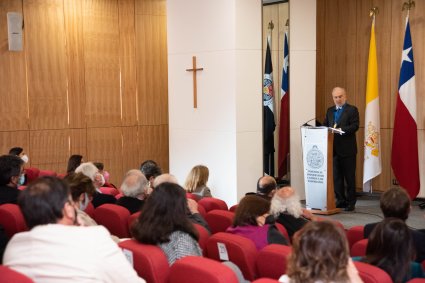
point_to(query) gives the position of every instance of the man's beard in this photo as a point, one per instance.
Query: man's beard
(291, 205)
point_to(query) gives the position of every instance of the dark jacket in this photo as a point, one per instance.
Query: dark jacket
(345, 144)
(8, 194)
(99, 199)
(132, 204)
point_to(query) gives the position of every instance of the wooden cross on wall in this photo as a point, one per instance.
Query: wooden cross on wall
(194, 70)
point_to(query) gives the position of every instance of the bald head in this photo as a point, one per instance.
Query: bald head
(339, 96)
(164, 178)
(266, 186)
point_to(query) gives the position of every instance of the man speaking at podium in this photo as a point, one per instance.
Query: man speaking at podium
(345, 117)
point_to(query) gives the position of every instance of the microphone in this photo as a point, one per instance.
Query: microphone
(306, 124)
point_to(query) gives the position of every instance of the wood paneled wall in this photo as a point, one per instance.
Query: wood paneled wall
(343, 34)
(92, 80)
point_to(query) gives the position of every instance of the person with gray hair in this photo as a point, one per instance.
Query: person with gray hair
(135, 190)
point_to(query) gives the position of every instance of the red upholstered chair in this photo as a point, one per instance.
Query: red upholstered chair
(192, 196)
(359, 248)
(119, 195)
(109, 191)
(265, 280)
(9, 275)
(355, 234)
(114, 218)
(219, 220)
(31, 174)
(61, 175)
(203, 237)
(233, 208)
(47, 173)
(372, 274)
(202, 210)
(272, 260)
(283, 230)
(11, 219)
(90, 210)
(131, 219)
(197, 269)
(149, 261)
(241, 251)
(416, 280)
(213, 203)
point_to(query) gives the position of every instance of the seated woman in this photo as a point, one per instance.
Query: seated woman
(390, 248)
(73, 162)
(164, 222)
(320, 254)
(196, 182)
(250, 222)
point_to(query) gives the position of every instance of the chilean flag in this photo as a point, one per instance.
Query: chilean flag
(284, 113)
(404, 156)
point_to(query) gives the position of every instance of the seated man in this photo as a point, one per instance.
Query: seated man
(11, 176)
(151, 170)
(287, 210)
(55, 249)
(266, 187)
(135, 191)
(396, 203)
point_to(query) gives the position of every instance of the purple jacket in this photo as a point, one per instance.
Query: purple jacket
(257, 234)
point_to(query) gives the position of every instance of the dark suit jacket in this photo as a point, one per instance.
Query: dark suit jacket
(418, 240)
(132, 204)
(99, 199)
(344, 145)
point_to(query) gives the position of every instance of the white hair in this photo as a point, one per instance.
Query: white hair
(291, 205)
(134, 184)
(88, 169)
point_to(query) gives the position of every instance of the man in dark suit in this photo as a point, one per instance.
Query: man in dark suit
(11, 177)
(345, 117)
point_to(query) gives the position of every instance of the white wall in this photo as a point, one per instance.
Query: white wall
(224, 132)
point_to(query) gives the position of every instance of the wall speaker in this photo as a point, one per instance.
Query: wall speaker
(14, 29)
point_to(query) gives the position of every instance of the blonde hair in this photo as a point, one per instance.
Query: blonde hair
(197, 177)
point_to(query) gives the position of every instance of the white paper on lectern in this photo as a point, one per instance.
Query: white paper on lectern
(315, 152)
(334, 130)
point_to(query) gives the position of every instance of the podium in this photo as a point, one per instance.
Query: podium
(317, 145)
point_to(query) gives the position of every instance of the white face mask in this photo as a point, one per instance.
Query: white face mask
(85, 203)
(25, 158)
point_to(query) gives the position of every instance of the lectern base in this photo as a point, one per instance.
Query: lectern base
(326, 212)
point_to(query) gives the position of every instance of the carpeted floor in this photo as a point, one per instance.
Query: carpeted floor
(367, 211)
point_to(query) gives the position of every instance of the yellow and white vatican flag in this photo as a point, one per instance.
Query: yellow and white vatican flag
(372, 143)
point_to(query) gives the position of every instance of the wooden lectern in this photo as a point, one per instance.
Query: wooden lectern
(317, 143)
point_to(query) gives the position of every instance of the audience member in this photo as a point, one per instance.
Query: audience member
(192, 212)
(11, 176)
(390, 247)
(163, 222)
(89, 170)
(55, 250)
(19, 151)
(266, 187)
(82, 191)
(104, 173)
(135, 191)
(287, 210)
(151, 170)
(320, 254)
(395, 203)
(250, 222)
(73, 162)
(196, 182)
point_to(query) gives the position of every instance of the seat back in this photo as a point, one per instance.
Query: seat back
(202, 211)
(416, 280)
(359, 248)
(200, 269)
(11, 219)
(233, 208)
(355, 234)
(192, 196)
(47, 173)
(31, 173)
(212, 203)
(265, 280)
(219, 220)
(114, 218)
(133, 218)
(372, 274)
(109, 191)
(240, 250)
(9, 275)
(203, 237)
(272, 260)
(149, 261)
